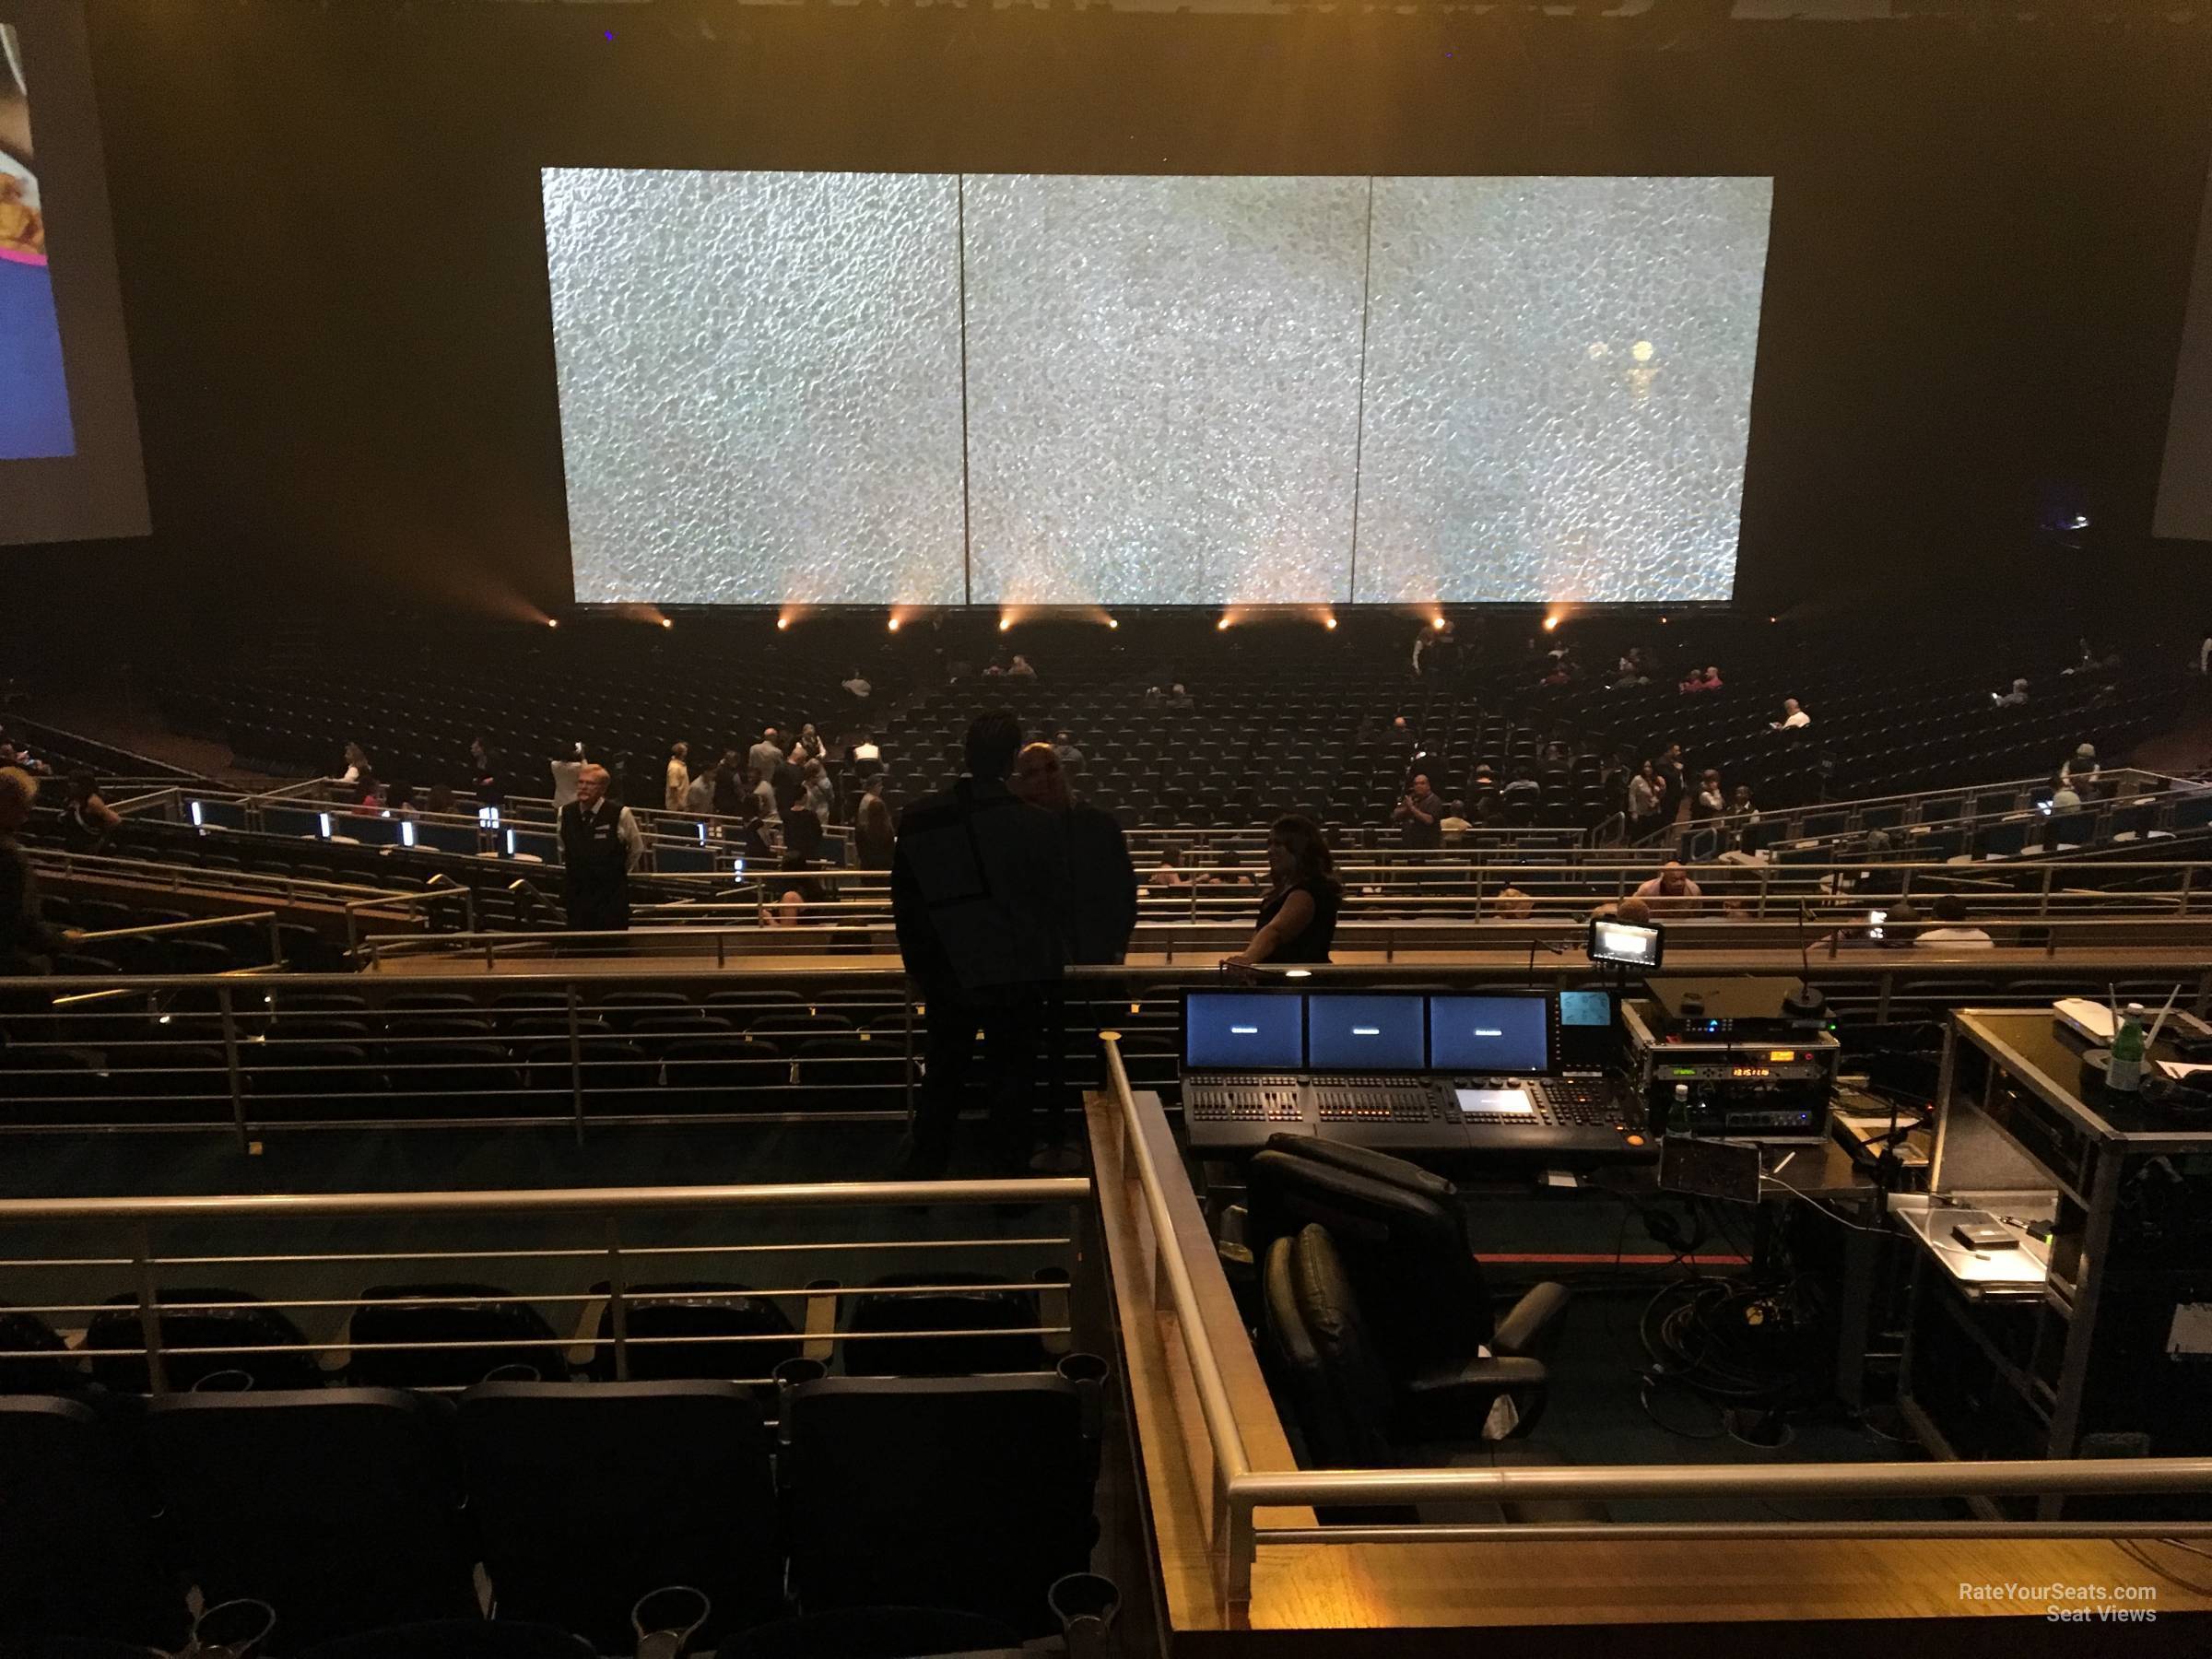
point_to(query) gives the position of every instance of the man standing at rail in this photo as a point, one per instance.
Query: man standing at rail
(978, 877)
(600, 845)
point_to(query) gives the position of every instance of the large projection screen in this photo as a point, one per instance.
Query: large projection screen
(1042, 390)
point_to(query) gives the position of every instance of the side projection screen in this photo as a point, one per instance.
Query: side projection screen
(929, 389)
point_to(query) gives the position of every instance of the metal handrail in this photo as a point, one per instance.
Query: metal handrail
(1242, 1491)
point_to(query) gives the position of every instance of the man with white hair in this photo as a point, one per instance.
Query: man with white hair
(599, 846)
(25, 940)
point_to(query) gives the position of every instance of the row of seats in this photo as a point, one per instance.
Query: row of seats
(448, 1335)
(350, 1509)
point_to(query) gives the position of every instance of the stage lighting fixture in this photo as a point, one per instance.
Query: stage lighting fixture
(1112, 623)
(1223, 626)
(1437, 622)
(892, 625)
(552, 621)
(667, 622)
(783, 622)
(1004, 623)
(1550, 623)
(1329, 623)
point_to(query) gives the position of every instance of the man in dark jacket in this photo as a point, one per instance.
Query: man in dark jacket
(600, 844)
(977, 879)
(25, 939)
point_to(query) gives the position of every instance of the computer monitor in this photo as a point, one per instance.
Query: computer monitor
(1587, 1039)
(1366, 1033)
(1501, 1031)
(1244, 1030)
(1626, 943)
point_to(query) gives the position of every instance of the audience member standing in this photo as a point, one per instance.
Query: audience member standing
(875, 830)
(599, 846)
(978, 881)
(1711, 802)
(807, 746)
(729, 785)
(1298, 918)
(484, 774)
(1643, 800)
(1671, 783)
(1420, 811)
(699, 798)
(1101, 912)
(25, 939)
(677, 784)
(765, 756)
(819, 798)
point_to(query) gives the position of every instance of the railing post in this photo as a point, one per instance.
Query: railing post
(721, 943)
(617, 1309)
(2043, 906)
(908, 987)
(150, 1319)
(1237, 1549)
(2188, 886)
(229, 1016)
(1766, 877)
(576, 1062)
(275, 943)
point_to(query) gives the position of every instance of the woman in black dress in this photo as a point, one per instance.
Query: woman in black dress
(1298, 918)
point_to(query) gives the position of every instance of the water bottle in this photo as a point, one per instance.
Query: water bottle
(2124, 1075)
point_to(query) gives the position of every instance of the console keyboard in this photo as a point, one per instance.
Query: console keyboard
(1374, 1101)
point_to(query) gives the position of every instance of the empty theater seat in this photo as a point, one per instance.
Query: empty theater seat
(340, 1507)
(753, 1332)
(200, 1319)
(500, 1331)
(77, 1553)
(590, 1495)
(972, 1494)
(975, 1324)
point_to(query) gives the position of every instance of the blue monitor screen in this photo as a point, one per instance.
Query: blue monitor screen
(1244, 1030)
(1491, 1033)
(1365, 1033)
(1585, 1008)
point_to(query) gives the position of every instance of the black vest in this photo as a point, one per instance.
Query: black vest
(594, 856)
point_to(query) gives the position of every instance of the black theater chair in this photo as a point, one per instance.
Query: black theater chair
(986, 1328)
(589, 1495)
(876, 1633)
(78, 1551)
(456, 1639)
(1402, 1240)
(422, 1318)
(193, 1319)
(340, 1507)
(972, 1494)
(753, 1333)
(28, 1334)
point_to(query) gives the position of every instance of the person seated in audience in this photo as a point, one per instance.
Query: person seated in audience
(1793, 718)
(1513, 905)
(1636, 911)
(1952, 932)
(873, 828)
(399, 801)
(866, 751)
(14, 754)
(2015, 698)
(1179, 700)
(1564, 671)
(1229, 875)
(1064, 748)
(87, 820)
(1021, 668)
(785, 895)
(357, 766)
(484, 774)
(1420, 813)
(857, 684)
(439, 801)
(2081, 768)
(1671, 893)
(1167, 876)
(1708, 680)
(1155, 697)
(1710, 801)
(677, 784)
(1298, 917)
(1521, 790)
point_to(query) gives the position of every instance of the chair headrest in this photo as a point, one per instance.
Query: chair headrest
(1363, 1160)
